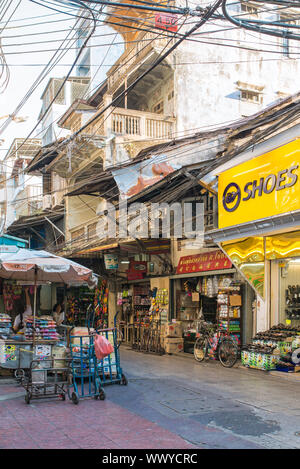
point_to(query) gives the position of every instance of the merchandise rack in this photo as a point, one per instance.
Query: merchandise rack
(231, 321)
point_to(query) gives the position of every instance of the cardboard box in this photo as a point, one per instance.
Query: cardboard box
(173, 345)
(235, 300)
(80, 332)
(173, 329)
(195, 296)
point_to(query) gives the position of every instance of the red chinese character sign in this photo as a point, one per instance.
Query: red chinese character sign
(214, 260)
(166, 21)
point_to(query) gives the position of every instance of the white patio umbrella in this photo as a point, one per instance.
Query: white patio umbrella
(29, 265)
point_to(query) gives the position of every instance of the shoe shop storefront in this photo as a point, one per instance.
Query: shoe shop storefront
(259, 230)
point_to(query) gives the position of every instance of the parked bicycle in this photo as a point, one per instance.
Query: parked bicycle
(149, 337)
(225, 347)
(154, 338)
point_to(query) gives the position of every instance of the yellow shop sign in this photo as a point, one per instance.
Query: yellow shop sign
(262, 187)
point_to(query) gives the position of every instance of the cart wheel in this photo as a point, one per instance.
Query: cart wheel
(75, 398)
(28, 396)
(102, 395)
(63, 396)
(124, 380)
(19, 374)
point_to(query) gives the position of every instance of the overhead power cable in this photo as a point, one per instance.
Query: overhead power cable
(162, 57)
(134, 6)
(280, 28)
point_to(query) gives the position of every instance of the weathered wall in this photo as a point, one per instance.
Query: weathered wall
(80, 211)
(206, 75)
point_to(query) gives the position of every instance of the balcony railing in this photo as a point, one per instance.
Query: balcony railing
(141, 124)
(29, 201)
(134, 123)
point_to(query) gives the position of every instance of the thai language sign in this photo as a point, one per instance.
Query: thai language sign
(214, 260)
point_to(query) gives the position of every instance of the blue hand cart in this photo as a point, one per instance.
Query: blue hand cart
(85, 381)
(109, 368)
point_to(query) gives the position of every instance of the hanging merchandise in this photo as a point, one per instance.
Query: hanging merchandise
(204, 286)
(79, 300)
(210, 288)
(73, 310)
(11, 293)
(119, 299)
(199, 286)
(101, 304)
(215, 285)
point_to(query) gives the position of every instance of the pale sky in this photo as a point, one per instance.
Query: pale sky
(20, 60)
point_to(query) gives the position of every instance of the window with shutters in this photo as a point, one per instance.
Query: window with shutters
(91, 230)
(249, 8)
(288, 20)
(158, 108)
(46, 183)
(78, 236)
(251, 96)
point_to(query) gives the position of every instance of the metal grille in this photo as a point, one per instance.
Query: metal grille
(60, 99)
(77, 91)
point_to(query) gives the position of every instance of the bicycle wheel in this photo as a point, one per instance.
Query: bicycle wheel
(119, 337)
(200, 348)
(228, 352)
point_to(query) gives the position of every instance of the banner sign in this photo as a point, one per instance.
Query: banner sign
(214, 260)
(166, 21)
(111, 261)
(262, 187)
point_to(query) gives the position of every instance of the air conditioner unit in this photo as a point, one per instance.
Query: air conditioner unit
(46, 201)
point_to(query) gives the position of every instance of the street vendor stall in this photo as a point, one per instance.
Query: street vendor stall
(39, 337)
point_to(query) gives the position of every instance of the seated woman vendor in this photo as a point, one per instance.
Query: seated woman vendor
(23, 313)
(58, 314)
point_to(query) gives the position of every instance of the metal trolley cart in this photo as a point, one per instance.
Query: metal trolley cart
(48, 378)
(17, 356)
(86, 381)
(109, 368)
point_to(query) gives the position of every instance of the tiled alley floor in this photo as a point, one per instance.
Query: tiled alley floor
(170, 402)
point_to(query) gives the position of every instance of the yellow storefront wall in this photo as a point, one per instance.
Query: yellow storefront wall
(250, 254)
(249, 257)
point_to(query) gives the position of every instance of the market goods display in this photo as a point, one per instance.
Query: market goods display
(45, 328)
(229, 303)
(292, 301)
(272, 349)
(79, 299)
(5, 325)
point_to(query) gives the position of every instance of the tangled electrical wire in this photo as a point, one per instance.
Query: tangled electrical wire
(249, 19)
(5, 16)
(252, 16)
